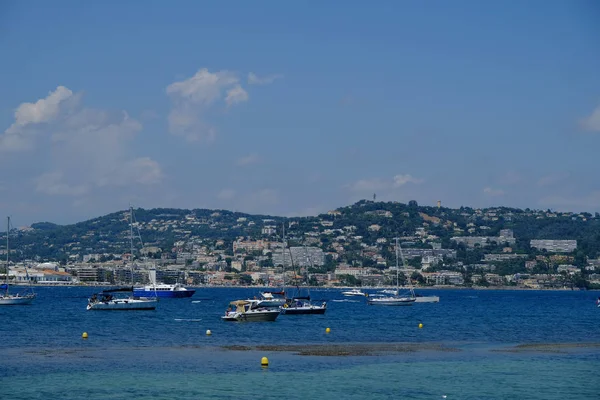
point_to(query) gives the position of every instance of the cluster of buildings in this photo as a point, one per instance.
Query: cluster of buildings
(330, 254)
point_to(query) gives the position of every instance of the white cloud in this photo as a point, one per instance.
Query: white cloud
(236, 95)
(592, 123)
(400, 180)
(248, 160)
(226, 194)
(253, 79)
(83, 150)
(204, 87)
(42, 110)
(143, 171)
(194, 97)
(493, 192)
(52, 183)
(367, 185)
(18, 137)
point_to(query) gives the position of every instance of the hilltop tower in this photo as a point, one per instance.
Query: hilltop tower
(439, 203)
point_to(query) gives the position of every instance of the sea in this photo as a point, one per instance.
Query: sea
(473, 344)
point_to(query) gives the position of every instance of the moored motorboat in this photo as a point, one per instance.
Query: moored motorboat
(156, 289)
(354, 292)
(249, 311)
(176, 290)
(381, 300)
(271, 299)
(109, 300)
(303, 305)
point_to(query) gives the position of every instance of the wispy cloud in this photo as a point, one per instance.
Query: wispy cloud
(401, 180)
(193, 97)
(226, 194)
(493, 192)
(365, 185)
(368, 185)
(592, 122)
(552, 179)
(510, 178)
(253, 79)
(236, 95)
(248, 160)
(88, 148)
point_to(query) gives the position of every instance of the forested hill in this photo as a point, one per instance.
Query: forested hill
(366, 220)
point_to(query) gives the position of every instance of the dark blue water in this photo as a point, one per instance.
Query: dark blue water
(58, 317)
(166, 354)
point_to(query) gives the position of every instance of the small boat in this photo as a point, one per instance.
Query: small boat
(419, 298)
(249, 311)
(394, 299)
(298, 304)
(106, 300)
(6, 298)
(303, 305)
(110, 300)
(18, 299)
(354, 292)
(381, 300)
(271, 299)
(155, 289)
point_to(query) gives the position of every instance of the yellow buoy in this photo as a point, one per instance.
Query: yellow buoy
(208, 332)
(420, 326)
(327, 330)
(264, 362)
(84, 335)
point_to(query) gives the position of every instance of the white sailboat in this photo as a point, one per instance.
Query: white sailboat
(6, 298)
(395, 299)
(298, 304)
(106, 300)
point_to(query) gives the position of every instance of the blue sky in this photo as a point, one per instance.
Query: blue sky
(296, 108)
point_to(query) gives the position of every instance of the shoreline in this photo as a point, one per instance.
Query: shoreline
(327, 288)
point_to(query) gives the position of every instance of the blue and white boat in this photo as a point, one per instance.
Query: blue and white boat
(155, 289)
(163, 290)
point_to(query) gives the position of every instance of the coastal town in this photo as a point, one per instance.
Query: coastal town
(323, 252)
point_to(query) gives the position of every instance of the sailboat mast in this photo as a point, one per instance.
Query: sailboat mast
(397, 278)
(131, 239)
(7, 252)
(283, 253)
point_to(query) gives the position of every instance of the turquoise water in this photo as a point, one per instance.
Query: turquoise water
(166, 354)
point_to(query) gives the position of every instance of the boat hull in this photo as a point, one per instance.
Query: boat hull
(164, 293)
(427, 299)
(353, 293)
(259, 316)
(304, 310)
(16, 300)
(123, 305)
(404, 301)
